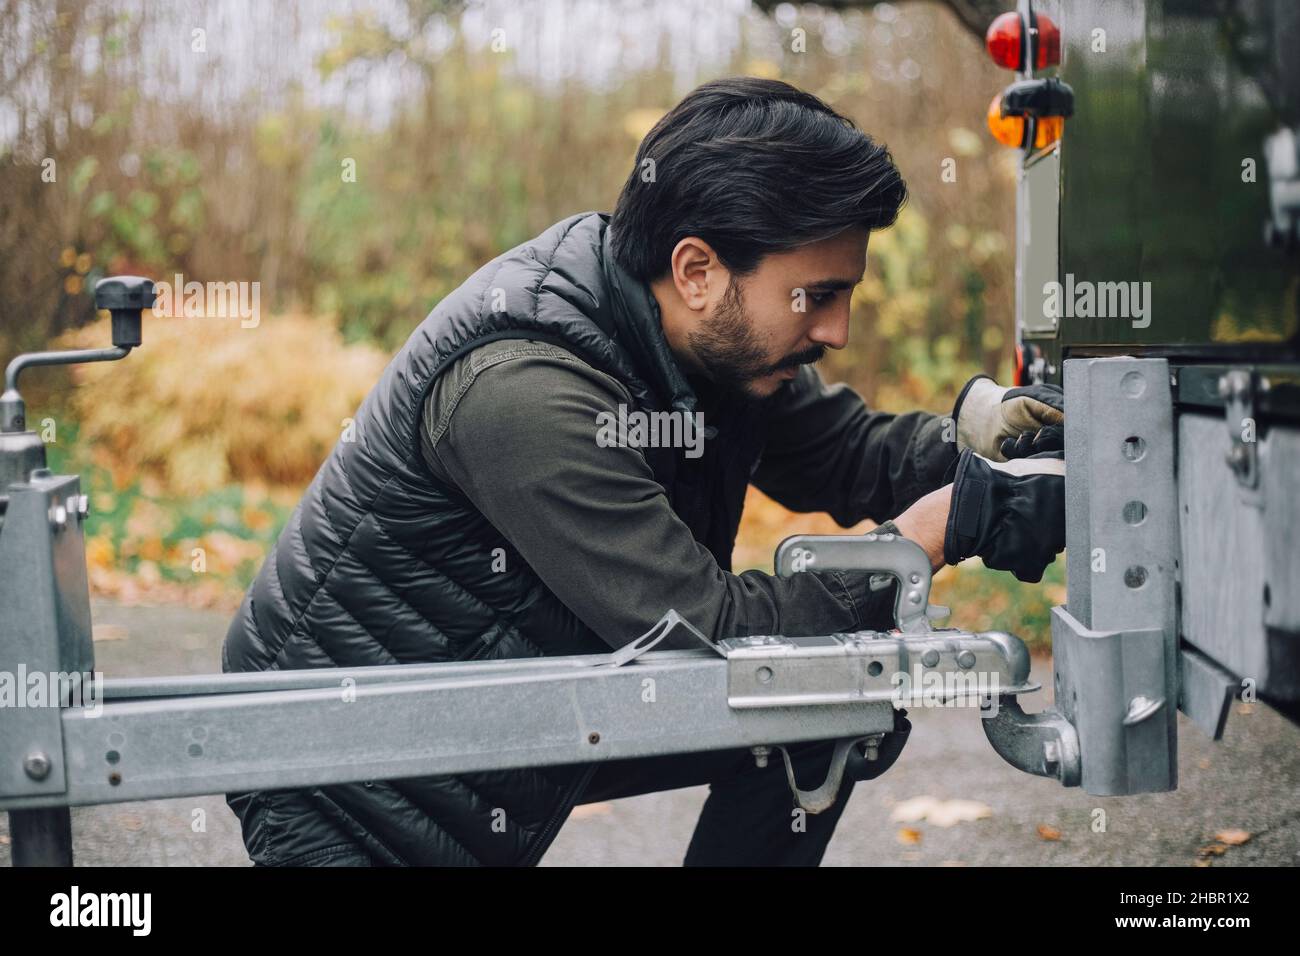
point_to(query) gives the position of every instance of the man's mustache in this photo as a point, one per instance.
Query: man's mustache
(806, 357)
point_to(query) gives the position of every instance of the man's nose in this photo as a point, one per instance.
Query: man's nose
(832, 331)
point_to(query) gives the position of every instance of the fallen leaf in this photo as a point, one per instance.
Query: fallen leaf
(1213, 849)
(109, 632)
(1046, 832)
(942, 813)
(130, 821)
(909, 836)
(1204, 763)
(952, 863)
(912, 810)
(1246, 709)
(591, 810)
(1233, 837)
(947, 813)
(4, 841)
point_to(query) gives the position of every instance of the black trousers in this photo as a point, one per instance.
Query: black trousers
(750, 818)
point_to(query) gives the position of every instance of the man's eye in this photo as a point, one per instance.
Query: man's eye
(821, 298)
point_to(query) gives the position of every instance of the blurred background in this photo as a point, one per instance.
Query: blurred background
(359, 160)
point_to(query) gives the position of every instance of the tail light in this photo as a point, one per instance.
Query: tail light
(1049, 44)
(1048, 130)
(1030, 113)
(1009, 129)
(1005, 41)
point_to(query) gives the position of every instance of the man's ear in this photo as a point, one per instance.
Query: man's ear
(697, 273)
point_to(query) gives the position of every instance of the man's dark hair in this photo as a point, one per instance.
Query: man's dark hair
(752, 167)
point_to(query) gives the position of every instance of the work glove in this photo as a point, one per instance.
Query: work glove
(858, 767)
(1011, 514)
(1028, 444)
(994, 421)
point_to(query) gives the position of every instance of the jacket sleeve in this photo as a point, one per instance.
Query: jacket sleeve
(827, 452)
(520, 442)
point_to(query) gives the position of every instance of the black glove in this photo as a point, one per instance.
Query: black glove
(989, 415)
(1010, 514)
(1028, 444)
(858, 767)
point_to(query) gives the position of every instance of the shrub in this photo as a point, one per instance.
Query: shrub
(204, 402)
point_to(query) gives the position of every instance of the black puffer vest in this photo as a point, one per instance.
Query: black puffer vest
(382, 564)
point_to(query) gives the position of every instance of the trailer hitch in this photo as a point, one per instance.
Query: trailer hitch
(875, 670)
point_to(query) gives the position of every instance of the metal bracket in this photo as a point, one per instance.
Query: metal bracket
(46, 633)
(647, 641)
(1123, 721)
(1237, 387)
(823, 798)
(1206, 691)
(1115, 650)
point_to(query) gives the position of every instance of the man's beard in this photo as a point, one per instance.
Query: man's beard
(732, 354)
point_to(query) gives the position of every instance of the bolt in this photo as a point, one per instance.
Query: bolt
(37, 765)
(1234, 384)
(966, 660)
(913, 597)
(915, 578)
(930, 658)
(593, 738)
(1238, 459)
(58, 517)
(83, 506)
(761, 754)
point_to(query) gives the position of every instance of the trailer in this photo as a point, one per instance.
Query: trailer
(1157, 277)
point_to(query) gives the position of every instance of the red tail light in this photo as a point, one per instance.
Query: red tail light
(1005, 41)
(1049, 44)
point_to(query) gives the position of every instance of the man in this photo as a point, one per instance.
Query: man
(482, 511)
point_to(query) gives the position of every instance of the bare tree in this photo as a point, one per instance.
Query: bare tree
(974, 15)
